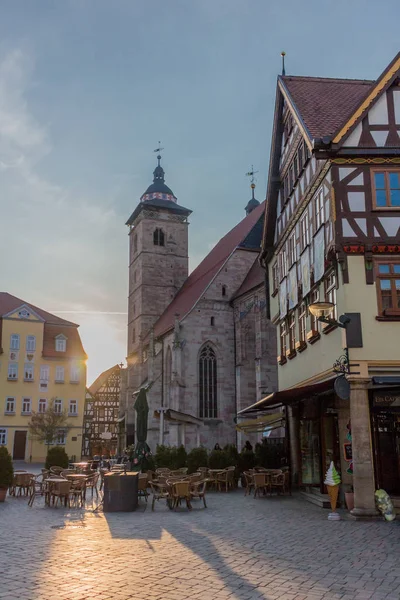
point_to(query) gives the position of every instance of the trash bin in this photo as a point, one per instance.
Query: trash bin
(120, 492)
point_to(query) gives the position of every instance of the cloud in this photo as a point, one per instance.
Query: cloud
(63, 247)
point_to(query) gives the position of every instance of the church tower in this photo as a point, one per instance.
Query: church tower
(158, 263)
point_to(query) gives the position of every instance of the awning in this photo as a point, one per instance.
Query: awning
(178, 417)
(284, 397)
(386, 382)
(267, 421)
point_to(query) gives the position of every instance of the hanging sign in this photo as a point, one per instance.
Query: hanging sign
(348, 451)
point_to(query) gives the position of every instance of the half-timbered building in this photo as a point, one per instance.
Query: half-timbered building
(332, 233)
(100, 421)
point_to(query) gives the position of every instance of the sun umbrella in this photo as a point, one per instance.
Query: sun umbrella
(142, 450)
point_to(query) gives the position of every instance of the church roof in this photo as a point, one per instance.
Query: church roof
(254, 278)
(199, 280)
(325, 104)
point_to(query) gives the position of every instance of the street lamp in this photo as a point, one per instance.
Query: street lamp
(322, 310)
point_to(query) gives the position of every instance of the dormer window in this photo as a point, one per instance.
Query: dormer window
(61, 343)
(158, 237)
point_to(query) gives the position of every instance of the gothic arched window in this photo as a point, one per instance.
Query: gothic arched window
(158, 237)
(208, 383)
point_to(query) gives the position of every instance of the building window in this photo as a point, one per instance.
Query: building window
(388, 287)
(283, 267)
(319, 209)
(14, 341)
(44, 373)
(26, 406)
(30, 343)
(292, 249)
(28, 372)
(13, 371)
(10, 406)
(61, 344)
(386, 189)
(58, 405)
(283, 336)
(73, 408)
(314, 297)
(42, 405)
(3, 436)
(75, 374)
(158, 237)
(304, 232)
(292, 331)
(212, 321)
(224, 290)
(302, 322)
(275, 277)
(330, 291)
(60, 374)
(208, 383)
(61, 437)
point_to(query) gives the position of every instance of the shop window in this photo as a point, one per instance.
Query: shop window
(386, 188)
(388, 287)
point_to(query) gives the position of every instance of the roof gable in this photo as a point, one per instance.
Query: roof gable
(101, 379)
(375, 93)
(23, 312)
(200, 279)
(9, 304)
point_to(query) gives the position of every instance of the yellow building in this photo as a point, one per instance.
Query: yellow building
(41, 359)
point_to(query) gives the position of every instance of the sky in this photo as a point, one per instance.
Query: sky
(89, 87)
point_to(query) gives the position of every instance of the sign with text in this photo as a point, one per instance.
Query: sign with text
(386, 398)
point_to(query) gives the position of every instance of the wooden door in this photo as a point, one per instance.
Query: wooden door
(19, 445)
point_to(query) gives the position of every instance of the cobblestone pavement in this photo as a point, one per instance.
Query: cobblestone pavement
(237, 548)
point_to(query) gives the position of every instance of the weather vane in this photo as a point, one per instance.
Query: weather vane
(159, 149)
(251, 175)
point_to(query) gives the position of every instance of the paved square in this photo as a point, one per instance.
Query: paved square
(238, 548)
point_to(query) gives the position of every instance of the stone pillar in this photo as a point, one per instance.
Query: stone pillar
(363, 463)
(294, 438)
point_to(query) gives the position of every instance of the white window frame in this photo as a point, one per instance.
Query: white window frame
(61, 344)
(319, 216)
(61, 437)
(42, 402)
(26, 403)
(60, 374)
(75, 374)
(58, 405)
(3, 436)
(14, 341)
(10, 399)
(44, 373)
(29, 372)
(30, 343)
(73, 404)
(12, 373)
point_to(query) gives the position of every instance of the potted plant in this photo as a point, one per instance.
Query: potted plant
(6, 472)
(349, 497)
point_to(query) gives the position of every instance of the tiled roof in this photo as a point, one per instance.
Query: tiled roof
(254, 278)
(8, 303)
(198, 281)
(325, 104)
(101, 379)
(74, 344)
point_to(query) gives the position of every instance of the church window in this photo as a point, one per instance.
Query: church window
(208, 383)
(158, 237)
(224, 290)
(212, 321)
(133, 336)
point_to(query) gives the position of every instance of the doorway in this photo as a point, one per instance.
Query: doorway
(19, 445)
(387, 450)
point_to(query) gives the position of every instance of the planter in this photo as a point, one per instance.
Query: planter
(3, 494)
(349, 496)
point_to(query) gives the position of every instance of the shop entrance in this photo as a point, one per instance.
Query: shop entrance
(386, 428)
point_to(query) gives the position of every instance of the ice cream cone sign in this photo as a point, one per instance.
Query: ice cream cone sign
(332, 482)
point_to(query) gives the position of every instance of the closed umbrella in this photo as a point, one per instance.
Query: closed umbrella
(142, 450)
